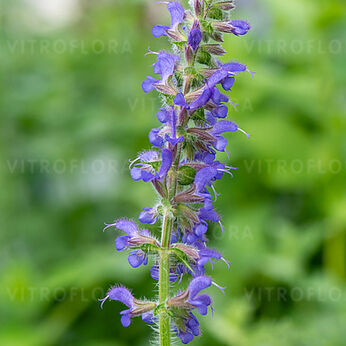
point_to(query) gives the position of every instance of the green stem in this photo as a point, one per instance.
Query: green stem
(165, 329)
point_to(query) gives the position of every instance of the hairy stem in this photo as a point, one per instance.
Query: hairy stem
(164, 258)
(165, 337)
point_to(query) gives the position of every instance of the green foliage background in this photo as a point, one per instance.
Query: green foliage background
(73, 113)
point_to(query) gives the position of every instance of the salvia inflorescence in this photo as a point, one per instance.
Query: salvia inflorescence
(182, 168)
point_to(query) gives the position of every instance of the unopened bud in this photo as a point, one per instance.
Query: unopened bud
(214, 48)
(185, 198)
(189, 55)
(198, 7)
(161, 190)
(217, 36)
(188, 213)
(225, 5)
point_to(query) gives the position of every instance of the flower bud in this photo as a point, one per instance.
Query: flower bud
(189, 195)
(217, 36)
(195, 36)
(148, 215)
(186, 198)
(188, 213)
(189, 54)
(240, 27)
(198, 6)
(214, 48)
(225, 5)
(159, 187)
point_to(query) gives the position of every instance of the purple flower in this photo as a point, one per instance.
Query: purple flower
(219, 112)
(225, 74)
(147, 168)
(177, 13)
(191, 299)
(158, 137)
(217, 77)
(148, 84)
(224, 126)
(201, 100)
(240, 27)
(133, 238)
(155, 138)
(199, 301)
(201, 229)
(194, 247)
(204, 177)
(179, 100)
(208, 213)
(135, 307)
(173, 139)
(227, 83)
(148, 215)
(234, 67)
(163, 115)
(217, 97)
(160, 30)
(219, 128)
(137, 258)
(195, 36)
(191, 329)
(165, 65)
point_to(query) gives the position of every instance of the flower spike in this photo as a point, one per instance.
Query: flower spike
(194, 125)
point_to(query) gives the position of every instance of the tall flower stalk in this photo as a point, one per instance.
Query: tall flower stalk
(182, 168)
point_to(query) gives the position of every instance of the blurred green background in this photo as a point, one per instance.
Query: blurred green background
(73, 113)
